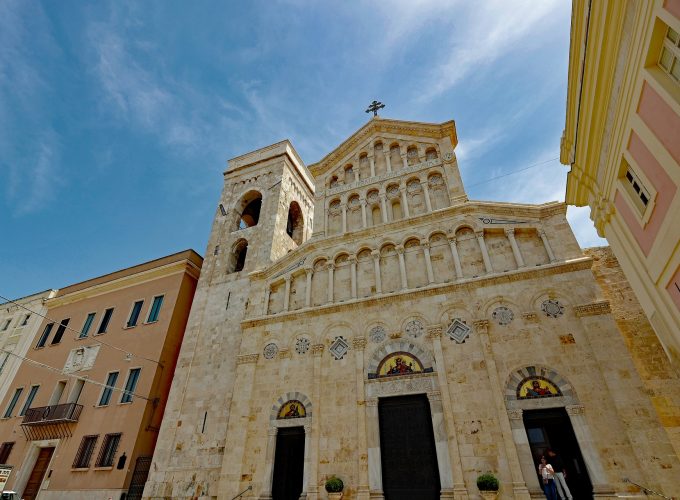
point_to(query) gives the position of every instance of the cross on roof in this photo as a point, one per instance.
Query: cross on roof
(375, 106)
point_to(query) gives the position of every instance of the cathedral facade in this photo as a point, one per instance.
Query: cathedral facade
(362, 318)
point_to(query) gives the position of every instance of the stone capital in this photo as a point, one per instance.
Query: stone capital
(375, 254)
(317, 349)
(330, 266)
(515, 414)
(434, 395)
(372, 402)
(309, 270)
(352, 259)
(425, 243)
(481, 325)
(573, 410)
(247, 358)
(509, 232)
(399, 249)
(358, 343)
(434, 331)
(479, 234)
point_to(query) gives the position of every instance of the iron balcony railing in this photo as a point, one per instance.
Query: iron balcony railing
(53, 414)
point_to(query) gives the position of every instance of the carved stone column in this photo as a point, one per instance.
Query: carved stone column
(376, 270)
(383, 207)
(428, 261)
(547, 246)
(373, 441)
(485, 253)
(388, 160)
(344, 217)
(312, 488)
(359, 344)
(286, 296)
(404, 160)
(404, 202)
(508, 444)
(455, 467)
(402, 266)
(510, 235)
(267, 294)
(306, 470)
(426, 192)
(588, 449)
(456, 258)
(357, 173)
(526, 461)
(372, 160)
(363, 213)
(331, 267)
(441, 445)
(266, 493)
(353, 272)
(308, 290)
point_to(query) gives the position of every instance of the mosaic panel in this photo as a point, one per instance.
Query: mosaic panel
(270, 350)
(339, 347)
(552, 308)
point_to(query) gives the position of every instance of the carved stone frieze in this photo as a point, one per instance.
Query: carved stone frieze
(359, 342)
(515, 414)
(575, 409)
(402, 386)
(247, 358)
(317, 349)
(593, 309)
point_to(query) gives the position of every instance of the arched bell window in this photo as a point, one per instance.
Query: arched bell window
(296, 222)
(249, 210)
(238, 256)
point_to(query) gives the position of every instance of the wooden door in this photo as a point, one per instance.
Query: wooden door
(289, 463)
(38, 473)
(407, 449)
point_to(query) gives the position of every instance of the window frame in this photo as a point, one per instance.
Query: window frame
(7, 323)
(673, 48)
(24, 322)
(84, 455)
(13, 402)
(5, 451)
(29, 400)
(87, 326)
(127, 395)
(641, 211)
(45, 335)
(105, 321)
(108, 389)
(108, 450)
(149, 320)
(61, 329)
(128, 323)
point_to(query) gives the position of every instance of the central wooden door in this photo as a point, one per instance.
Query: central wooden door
(289, 463)
(38, 473)
(407, 450)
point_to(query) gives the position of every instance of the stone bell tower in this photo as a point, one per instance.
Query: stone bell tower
(264, 212)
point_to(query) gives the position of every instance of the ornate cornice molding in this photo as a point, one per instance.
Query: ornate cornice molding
(593, 309)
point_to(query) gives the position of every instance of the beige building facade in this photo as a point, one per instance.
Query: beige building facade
(362, 318)
(81, 416)
(622, 143)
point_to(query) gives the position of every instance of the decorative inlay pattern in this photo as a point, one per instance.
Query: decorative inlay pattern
(552, 308)
(458, 331)
(414, 328)
(339, 347)
(302, 345)
(247, 358)
(377, 334)
(270, 350)
(593, 309)
(503, 316)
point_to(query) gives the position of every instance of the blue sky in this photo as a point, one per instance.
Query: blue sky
(116, 120)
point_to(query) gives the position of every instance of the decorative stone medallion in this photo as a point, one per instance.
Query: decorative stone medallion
(448, 156)
(503, 316)
(458, 331)
(339, 347)
(377, 334)
(302, 345)
(552, 308)
(414, 328)
(270, 350)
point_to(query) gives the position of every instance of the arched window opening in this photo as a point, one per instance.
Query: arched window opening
(431, 154)
(296, 222)
(333, 182)
(249, 210)
(238, 256)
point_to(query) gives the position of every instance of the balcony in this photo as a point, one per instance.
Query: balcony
(50, 422)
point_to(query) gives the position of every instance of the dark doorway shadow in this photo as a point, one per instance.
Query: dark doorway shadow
(552, 429)
(289, 463)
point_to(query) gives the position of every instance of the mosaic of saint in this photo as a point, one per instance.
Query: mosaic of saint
(399, 363)
(537, 387)
(292, 409)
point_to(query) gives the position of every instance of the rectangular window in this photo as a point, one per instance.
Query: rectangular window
(29, 400)
(13, 402)
(5, 326)
(637, 191)
(108, 451)
(60, 331)
(45, 334)
(108, 390)
(87, 325)
(5, 357)
(130, 385)
(669, 58)
(85, 450)
(134, 314)
(5, 450)
(25, 321)
(155, 309)
(105, 321)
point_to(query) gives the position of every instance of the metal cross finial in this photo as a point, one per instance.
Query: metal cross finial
(375, 106)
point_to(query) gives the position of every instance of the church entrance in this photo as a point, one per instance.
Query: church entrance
(552, 429)
(289, 463)
(407, 450)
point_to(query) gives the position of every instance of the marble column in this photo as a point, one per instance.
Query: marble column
(402, 266)
(325, 220)
(588, 449)
(357, 169)
(286, 296)
(308, 290)
(547, 246)
(455, 463)
(456, 258)
(331, 268)
(372, 160)
(426, 193)
(485, 253)
(507, 445)
(376, 271)
(359, 344)
(353, 272)
(307, 466)
(383, 207)
(428, 261)
(404, 160)
(388, 159)
(404, 202)
(526, 459)
(312, 488)
(344, 217)
(268, 478)
(441, 445)
(510, 234)
(267, 294)
(373, 442)
(364, 224)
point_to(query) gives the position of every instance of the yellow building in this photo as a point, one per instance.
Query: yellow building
(622, 141)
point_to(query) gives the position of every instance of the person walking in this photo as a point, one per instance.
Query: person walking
(547, 473)
(560, 475)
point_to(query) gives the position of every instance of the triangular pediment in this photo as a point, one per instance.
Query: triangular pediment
(382, 128)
